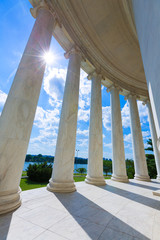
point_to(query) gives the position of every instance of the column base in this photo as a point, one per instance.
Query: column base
(142, 178)
(156, 193)
(99, 181)
(158, 178)
(120, 178)
(62, 187)
(9, 201)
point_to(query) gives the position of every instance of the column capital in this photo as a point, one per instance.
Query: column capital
(114, 86)
(94, 74)
(42, 4)
(74, 50)
(146, 101)
(130, 95)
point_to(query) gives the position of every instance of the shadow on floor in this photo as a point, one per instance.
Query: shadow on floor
(97, 223)
(5, 221)
(144, 186)
(155, 204)
(155, 182)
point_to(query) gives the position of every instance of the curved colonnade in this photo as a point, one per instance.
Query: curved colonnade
(22, 101)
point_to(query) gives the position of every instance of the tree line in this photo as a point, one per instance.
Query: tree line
(107, 163)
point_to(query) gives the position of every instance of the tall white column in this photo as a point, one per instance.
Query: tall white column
(147, 25)
(154, 138)
(95, 153)
(62, 175)
(118, 154)
(18, 113)
(140, 163)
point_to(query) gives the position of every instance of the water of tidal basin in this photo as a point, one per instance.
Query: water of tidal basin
(26, 164)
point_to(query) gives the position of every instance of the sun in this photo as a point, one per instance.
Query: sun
(48, 57)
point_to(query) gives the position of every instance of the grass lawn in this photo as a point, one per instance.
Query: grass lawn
(27, 184)
(24, 173)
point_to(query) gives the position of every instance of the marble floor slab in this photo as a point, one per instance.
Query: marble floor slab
(117, 211)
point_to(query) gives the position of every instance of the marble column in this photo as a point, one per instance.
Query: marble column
(18, 113)
(154, 137)
(118, 154)
(62, 175)
(140, 164)
(95, 153)
(148, 32)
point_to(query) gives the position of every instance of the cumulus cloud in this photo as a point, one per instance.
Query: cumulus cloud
(83, 115)
(46, 118)
(125, 116)
(83, 132)
(54, 81)
(109, 145)
(128, 138)
(3, 97)
(106, 116)
(143, 114)
(146, 134)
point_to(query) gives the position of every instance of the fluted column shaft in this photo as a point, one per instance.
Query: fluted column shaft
(140, 164)
(148, 33)
(18, 113)
(118, 154)
(154, 139)
(95, 153)
(62, 175)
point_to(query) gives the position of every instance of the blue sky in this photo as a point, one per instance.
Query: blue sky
(16, 25)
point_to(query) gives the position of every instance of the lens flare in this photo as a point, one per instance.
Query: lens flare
(48, 57)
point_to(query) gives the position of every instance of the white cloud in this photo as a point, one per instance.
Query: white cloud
(125, 116)
(3, 97)
(83, 143)
(128, 138)
(46, 118)
(54, 81)
(146, 134)
(83, 115)
(109, 145)
(106, 116)
(143, 114)
(83, 132)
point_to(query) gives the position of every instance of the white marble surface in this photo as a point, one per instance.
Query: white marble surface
(18, 113)
(126, 211)
(95, 148)
(62, 176)
(118, 155)
(140, 164)
(148, 32)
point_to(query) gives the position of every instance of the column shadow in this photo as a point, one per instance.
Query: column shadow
(155, 182)
(153, 203)
(144, 186)
(97, 223)
(5, 221)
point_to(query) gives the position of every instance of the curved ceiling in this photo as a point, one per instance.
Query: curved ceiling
(105, 32)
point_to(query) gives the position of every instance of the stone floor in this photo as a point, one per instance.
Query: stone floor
(116, 211)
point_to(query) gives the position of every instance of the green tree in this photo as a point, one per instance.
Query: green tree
(150, 160)
(81, 170)
(39, 172)
(107, 166)
(28, 158)
(130, 168)
(150, 147)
